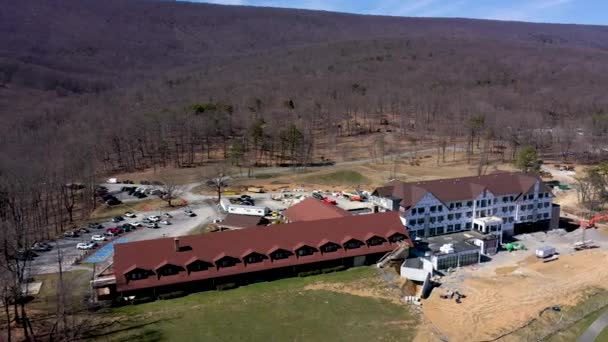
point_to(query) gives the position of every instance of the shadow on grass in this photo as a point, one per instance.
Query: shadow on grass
(143, 332)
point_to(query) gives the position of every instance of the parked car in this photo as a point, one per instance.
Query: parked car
(167, 215)
(129, 214)
(317, 195)
(98, 237)
(153, 218)
(189, 213)
(136, 224)
(329, 201)
(83, 230)
(117, 219)
(86, 245)
(95, 225)
(165, 222)
(114, 231)
(41, 247)
(71, 234)
(113, 201)
(153, 225)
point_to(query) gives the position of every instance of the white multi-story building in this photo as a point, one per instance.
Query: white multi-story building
(499, 204)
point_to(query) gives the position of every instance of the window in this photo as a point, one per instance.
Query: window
(280, 254)
(484, 203)
(469, 214)
(353, 244)
(529, 217)
(539, 205)
(433, 208)
(398, 237)
(440, 218)
(495, 200)
(504, 209)
(254, 258)
(546, 215)
(451, 205)
(450, 228)
(168, 270)
(477, 203)
(420, 221)
(494, 211)
(330, 247)
(458, 205)
(458, 215)
(482, 213)
(226, 262)
(439, 230)
(511, 219)
(198, 266)
(137, 274)
(439, 208)
(450, 216)
(375, 241)
(457, 226)
(432, 232)
(546, 204)
(512, 208)
(420, 210)
(468, 225)
(432, 219)
(469, 204)
(505, 199)
(541, 195)
(304, 251)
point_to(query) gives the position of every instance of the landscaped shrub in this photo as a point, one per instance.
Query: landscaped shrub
(226, 286)
(171, 295)
(334, 269)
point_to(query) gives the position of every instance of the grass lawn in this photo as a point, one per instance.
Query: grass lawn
(76, 284)
(152, 204)
(282, 310)
(341, 177)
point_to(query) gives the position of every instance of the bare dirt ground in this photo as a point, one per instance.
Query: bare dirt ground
(511, 290)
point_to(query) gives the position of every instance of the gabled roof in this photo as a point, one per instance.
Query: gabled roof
(465, 188)
(313, 209)
(147, 254)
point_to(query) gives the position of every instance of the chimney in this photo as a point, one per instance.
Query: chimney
(176, 243)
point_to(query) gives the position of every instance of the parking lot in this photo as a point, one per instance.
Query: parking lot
(65, 248)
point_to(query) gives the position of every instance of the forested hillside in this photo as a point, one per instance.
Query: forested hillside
(93, 87)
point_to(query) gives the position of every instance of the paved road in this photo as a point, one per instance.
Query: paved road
(595, 329)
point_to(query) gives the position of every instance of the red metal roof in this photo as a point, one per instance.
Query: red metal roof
(211, 247)
(465, 188)
(313, 209)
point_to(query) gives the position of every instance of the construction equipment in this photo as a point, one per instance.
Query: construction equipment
(593, 220)
(457, 296)
(514, 246)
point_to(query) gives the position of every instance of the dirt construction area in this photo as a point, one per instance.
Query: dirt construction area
(506, 293)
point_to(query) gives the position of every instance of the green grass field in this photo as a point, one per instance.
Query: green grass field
(282, 310)
(341, 177)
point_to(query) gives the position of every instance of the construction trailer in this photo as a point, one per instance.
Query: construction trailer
(248, 210)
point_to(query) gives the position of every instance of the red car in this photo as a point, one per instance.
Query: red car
(114, 231)
(329, 201)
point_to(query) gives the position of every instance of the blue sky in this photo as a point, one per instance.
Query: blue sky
(553, 11)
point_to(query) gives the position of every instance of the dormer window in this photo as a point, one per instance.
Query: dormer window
(254, 257)
(198, 266)
(280, 254)
(305, 250)
(397, 237)
(168, 270)
(353, 244)
(375, 241)
(330, 247)
(226, 261)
